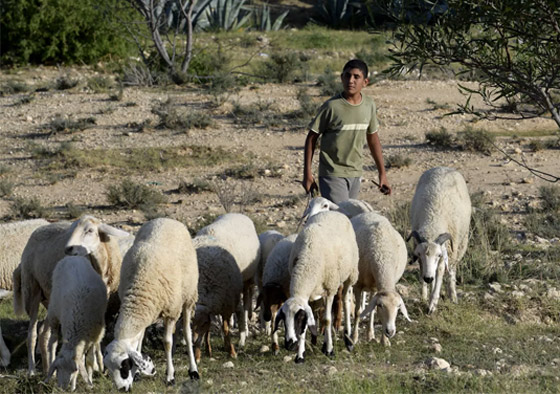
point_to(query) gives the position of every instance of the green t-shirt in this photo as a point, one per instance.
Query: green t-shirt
(343, 127)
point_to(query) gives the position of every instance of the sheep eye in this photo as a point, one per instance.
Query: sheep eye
(325, 206)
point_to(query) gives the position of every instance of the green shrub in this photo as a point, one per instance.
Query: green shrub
(397, 161)
(67, 125)
(27, 208)
(6, 188)
(550, 196)
(100, 83)
(283, 67)
(171, 118)
(440, 138)
(74, 211)
(477, 141)
(133, 195)
(329, 82)
(60, 31)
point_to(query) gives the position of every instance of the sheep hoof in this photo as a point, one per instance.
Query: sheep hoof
(171, 382)
(194, 375)
(325, 352)
(348, 342)
(300, 360)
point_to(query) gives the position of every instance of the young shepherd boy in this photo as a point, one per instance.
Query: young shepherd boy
(344, 122)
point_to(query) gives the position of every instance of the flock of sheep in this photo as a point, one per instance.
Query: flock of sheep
(85, 270)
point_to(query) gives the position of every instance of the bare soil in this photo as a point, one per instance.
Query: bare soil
(407, 110)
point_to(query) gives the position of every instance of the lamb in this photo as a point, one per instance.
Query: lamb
(219, 289)
(324, 257)
(276, 283)
(45, 248)
(440, 212)
(14, 236)
(77, 307)
(159, 278)
(383, 258)
(268, 241)
(236, 233)
(350, 208)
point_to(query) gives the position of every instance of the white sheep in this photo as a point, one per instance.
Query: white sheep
(159, 278)
(440, 212)
(276, 283)
(220, 285)
(236, 233)
(14, 237)
(323, 259)
(47, 245)
(383, 259)
(350, 208)
(77, 307)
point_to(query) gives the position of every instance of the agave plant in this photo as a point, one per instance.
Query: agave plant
(339, 14)
(263, 20)
(225, 15)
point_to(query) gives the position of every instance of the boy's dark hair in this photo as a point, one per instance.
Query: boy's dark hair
(359, 64)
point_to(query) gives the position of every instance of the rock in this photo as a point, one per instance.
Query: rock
(228, 364)
(482, 372)
(264, 349)
(488, 297)
(438, 364)
(553, 293)
(287, 359)
(281, 224)
(517, 294)
(497, 350)
(331, 370)
(527, 180)
(437, 347)
(495, 287)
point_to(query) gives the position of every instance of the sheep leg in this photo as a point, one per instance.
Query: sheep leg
(167, 345)
(452, 284)
(338, 300)
(437, 287)
(187, 333)
(4, 352)
(347, 294)
(371, 331)
(227, 338)
(328, 344)
(140, 340)
(358, 297)
(247, 309)
(196, 344)
(32, 331)
(424, 287)
(44, 341)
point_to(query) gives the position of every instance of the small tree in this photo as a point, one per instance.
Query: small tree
(512, 46)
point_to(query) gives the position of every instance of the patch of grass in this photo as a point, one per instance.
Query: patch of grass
(23, 100)
(545, 222)
(131, 195)
(489, 242)
(99, 83)
(6, 188)
(65, 82)
(440, 138)
(473, 140)
(399, 217)
(171, 118)
(4, 169)
(67, 158)
(251, 171)
(259, 113)
(526, 133)
(329, 82)
(75, 211)
(27, 208)
(231, 193)
(397, 161)
(14, 86)
(536, 145)
(198, 185)
(307, 107)
(68, 125)
(283, 67)
(437, 106)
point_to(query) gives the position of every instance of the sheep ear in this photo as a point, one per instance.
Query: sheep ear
(442, 238)
(403, 310)
(52, 368)
(113, 231)
(144, 363)
(280, 316)
(371, 306)
(311, 321)
(445, 257)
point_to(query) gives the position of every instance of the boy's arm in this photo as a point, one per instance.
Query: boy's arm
(375, 149)
(308, 182)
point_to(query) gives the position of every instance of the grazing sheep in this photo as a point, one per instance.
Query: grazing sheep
(236, 233)
(440, 212)
(383, 258)
(159, 278)
(324, 257)
(76, 307)
(14, 237)
(45, 248)
(276, 283)
(220, 285)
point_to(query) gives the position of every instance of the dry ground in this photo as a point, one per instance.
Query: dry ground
(407, 110)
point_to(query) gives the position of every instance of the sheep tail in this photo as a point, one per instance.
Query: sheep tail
(18, 298)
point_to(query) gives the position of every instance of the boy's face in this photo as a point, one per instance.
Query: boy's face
(353, 81)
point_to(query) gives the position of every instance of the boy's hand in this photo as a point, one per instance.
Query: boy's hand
(309, 185)
(384, 185)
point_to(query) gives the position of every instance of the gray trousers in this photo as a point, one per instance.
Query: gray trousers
(338, 189)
